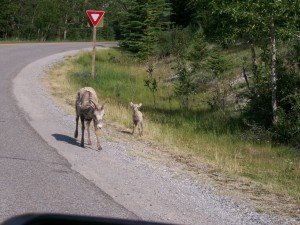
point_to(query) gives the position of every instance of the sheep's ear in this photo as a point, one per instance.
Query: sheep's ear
(102, 107)
(96, 105)
(140, 105)
(131, 104)
(89, 94)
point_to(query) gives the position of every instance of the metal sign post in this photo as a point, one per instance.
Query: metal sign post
(95, 17)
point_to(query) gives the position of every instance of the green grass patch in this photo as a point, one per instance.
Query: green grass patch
(213, 136)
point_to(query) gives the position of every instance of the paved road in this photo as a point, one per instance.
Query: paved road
(33, 176)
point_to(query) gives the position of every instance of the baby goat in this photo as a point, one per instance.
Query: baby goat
(137, 118)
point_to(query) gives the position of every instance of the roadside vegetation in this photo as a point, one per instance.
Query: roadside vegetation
(217, 137)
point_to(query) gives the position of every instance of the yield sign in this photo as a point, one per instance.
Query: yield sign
(95, 16)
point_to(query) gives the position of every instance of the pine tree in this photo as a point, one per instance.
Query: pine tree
(143, 21)
(198, 50)
(186, 83)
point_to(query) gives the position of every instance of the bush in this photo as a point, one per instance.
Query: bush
(259, 111)
(174, 42)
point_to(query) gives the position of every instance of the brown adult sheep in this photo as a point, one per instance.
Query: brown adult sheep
(88, 109)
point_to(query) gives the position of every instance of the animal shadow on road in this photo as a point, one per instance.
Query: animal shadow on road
(65, 138)
(70, 140)
(126, 132)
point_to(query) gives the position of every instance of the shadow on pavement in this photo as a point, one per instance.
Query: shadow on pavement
(65, 138)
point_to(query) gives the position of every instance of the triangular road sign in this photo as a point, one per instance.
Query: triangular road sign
(95, 16)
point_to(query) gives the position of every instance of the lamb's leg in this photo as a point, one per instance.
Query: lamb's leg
(141, 129)
(97, 133)
(76, 130)
(82, 131)
(88, 123)
(133, 129)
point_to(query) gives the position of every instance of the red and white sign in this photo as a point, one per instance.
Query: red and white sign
(95, 16)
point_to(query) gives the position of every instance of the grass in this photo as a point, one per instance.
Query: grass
(213, 137)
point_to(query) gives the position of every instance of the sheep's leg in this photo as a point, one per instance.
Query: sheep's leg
(82, 131)
(134, 126)
(88, 123)
(97, 133)
(76, 130)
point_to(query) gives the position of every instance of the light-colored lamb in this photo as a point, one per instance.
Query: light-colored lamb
(88, 109)
(137, 118)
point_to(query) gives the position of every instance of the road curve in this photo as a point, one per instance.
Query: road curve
(33, 176)
(43, 169)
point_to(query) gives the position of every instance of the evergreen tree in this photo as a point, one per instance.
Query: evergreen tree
(7, 18)
(186, 84)
(133, 26)
(151, 82)
(216, 64)
(198, 50)
(142, 22)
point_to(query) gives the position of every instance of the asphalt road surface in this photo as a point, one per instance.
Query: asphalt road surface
(43, 169)
(33, 176)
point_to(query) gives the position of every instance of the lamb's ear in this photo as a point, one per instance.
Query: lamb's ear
(131, 104)
(140, 105)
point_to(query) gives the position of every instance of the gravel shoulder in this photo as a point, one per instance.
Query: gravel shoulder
(140, 174)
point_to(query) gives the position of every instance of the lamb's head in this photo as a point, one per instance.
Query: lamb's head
(135, 107)
(98, 114)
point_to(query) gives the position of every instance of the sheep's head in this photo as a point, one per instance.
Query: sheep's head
(98, 114)
(135, 107)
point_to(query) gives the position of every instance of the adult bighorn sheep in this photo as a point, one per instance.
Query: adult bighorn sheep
(137, 118)
(88, 109)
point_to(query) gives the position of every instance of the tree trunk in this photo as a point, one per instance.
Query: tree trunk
(65, 34)
(254, 68)
(246, 78)
(66, 27)
(186, 103)
(273, 73)
(154, 100)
